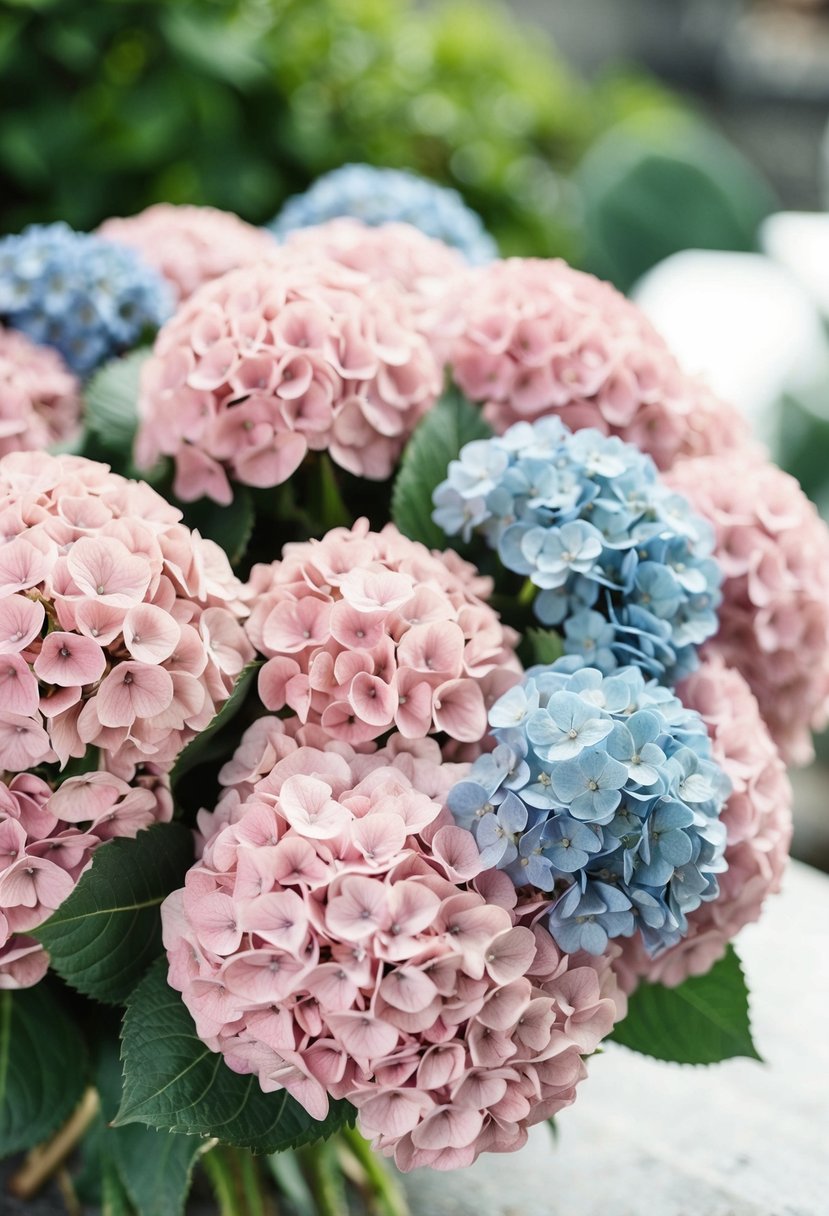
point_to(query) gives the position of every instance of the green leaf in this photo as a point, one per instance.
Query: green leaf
(230, 527)
(43, 1067)
(173, 1081)
(546, 645)
(105, 935)
(703, 1021)
(154, 1168)
(111, 401)
(114, 1198)
(202, 748)
(453, 422)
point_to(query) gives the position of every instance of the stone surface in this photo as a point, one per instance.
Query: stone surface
(651, 1139)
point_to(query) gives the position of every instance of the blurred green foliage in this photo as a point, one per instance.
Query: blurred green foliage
(661, 181)
(109, 105)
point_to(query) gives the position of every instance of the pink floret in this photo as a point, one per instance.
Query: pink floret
(40, 398)
(340, 940)
(773, 549)
(270, 362)
(365, 632)
(119, 627)
(188, 245)
(540, 338)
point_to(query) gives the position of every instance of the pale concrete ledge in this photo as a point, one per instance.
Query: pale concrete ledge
(652, 1139)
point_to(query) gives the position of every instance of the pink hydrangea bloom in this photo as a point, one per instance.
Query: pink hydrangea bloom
(272, 361)
(40, 399)
(119, 627)
(758, 819)
(773, 549)
(433, 275)
(541, 338)
(47, 841)
(367, 632)
(338, 939)
(190, 245)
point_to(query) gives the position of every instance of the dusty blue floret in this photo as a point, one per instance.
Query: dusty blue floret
(382, 196)
(89, 298)
(622, 564)
(603, 794)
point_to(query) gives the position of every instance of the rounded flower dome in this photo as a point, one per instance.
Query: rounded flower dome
(40, 399)
(48, 839)
(603, 792)
(309, 355)
(619, 560)
(88, 298)
(432, 275)
(541, 338)
(773, 550)
(119, 627)
(367, 632)
(340, 940)
(389, 196)
(188, 245)
(757, 818)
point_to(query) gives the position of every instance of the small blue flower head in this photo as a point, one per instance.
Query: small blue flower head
(622, 564)
(89, 298)
(382, 196)
(602, 793)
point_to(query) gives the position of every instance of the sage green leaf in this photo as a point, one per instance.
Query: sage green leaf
(173, 1081)
(43, 1066)
(105, 935)
(202, 747)
(449, 425)
(111, 402)
(230, 527)
(702, 1021)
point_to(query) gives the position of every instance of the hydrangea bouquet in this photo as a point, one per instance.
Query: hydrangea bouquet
(399, 657)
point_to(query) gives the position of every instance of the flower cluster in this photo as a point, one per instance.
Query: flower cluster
(39, 397)
(602, 790)
(85, 296)
(46, 842)
(620, 560)
(118, 625)
(270, 361)
(541, 338)
(433, 275)
(339, 939)
(189, 246)
(773, 550)
(757, 818)
(383, 196)
(366, 632)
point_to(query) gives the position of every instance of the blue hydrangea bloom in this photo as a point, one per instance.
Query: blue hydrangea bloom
(89, 298)
(622, 564)
(382, 196)
(601, 792)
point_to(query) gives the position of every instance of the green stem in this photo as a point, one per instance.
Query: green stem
(329, 1182)
(235, 1181)
(527, 594)
(333, 513)
(388, 1193)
